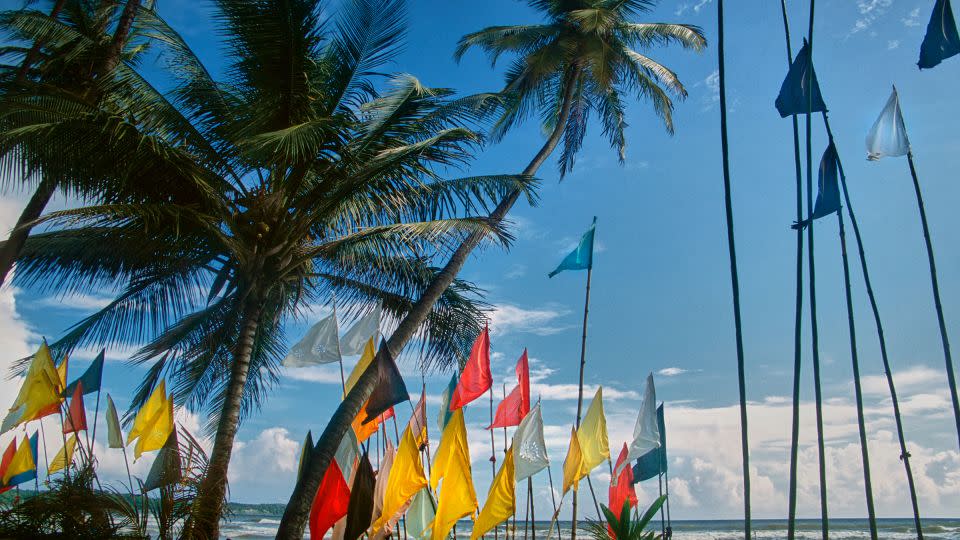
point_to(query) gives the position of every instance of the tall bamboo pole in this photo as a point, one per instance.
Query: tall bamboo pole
(493, 455)
(734, 276)
(583, 362)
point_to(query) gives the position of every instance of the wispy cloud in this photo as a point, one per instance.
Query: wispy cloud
(672, 371)
(511, 319)
(870, 11)
(912, 19)
(893, 44)
(83, 302)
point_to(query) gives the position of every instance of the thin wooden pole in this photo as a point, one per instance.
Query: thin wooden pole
(526, 513)
(593, 493)
(96, 412)
(734, 275)
(126, 462)
(46, 459)
(553, 497)
(666, 490)
(533, 514)
(583, 362)
(493, 455)
(663, 524)
(336, 323)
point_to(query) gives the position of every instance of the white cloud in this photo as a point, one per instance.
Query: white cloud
(325, 374)
(83, 302)
(560, 392)
(893, 44)
(906, 381)
(912, 19)
(672, 371)
(510, 319)
(870, 11)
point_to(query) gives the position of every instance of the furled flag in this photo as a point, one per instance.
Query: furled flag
(305, 452)
(592, 435)
(369, 353)
(422, 511)
(828, 196)
(800, 91)
(153, 423)
(166, 467)
(517, 403)
(23, 466)
(383, 476)
(529, 449)
(445, 412)
(418, 421)
(390, 389)
(5, 463)
(320, 345)
(646, 434)
(360, 507)
(76, 419)
(64, 457)
(654, 462)
(572, 464)
(475, 379)
(580, 258)
(365, 329)
(40, 391)
(942, 39)
(888, 136)
(406, 479)
(622, 490)
(501, 500)
(91, 378)
(114, 434)
(452, 464)
(333, 496)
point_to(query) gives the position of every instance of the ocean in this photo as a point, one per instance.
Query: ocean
(265, 526)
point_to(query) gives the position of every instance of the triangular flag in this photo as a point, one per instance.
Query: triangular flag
(800, 91)
(158, 430)
(154, 404)
(452, 464)
(5, 463)
(453, 440)
(362, 430)
(364, 330)
(369, 353)
(91, 378)
(501, 500)
(529, 449)
(320, 345)
(390, 389)
(383, 477)
(514, 407)
(360, 507)
(475, 379)
(445, 412)
(406, 479)
(646, 434)
(23, 466)
(166, 469)
(40, 393)
(347, 454)
(580, 258)
(418, 420)
(888, 136)
(942, 39)
(654, 462)
(828, 196)
(114, 434)
(622, 489)
(422, 511)
(330, 502)
(592, 435)
(572, 463)
(64, 457)
(76, 419)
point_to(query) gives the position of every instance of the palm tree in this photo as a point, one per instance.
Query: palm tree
(291, 180)
(582, 60)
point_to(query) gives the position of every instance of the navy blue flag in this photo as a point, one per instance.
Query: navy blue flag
(942, 40)
(390, 388)
(654, 462)
(91, 377)
(798, 95)
(828, 198)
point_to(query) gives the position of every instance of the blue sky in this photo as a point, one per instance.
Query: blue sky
(661, 293)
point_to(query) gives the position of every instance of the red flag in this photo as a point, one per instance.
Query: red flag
(76, 419)
(331, 502)
(517, 404)
(475, 378)
(622, 490)
(385, 416)
(7, 458)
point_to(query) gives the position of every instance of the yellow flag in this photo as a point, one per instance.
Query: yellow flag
(148, 411)
(369, 352)
(406, 478)
(157, 432)
(64, 457)
(39, 392)
(22, 461)
(501, 500)
(572, 464)
(592, 435)
(457, 497)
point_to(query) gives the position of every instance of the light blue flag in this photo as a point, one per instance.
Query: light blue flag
(582, 257)
(420, 514)
(445, 412)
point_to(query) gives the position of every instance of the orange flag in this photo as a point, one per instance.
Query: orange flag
(76, 419)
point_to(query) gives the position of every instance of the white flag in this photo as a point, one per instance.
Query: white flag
(529, 448)
(357, 336)
(319, 346)
(646, 434)
(888, 136)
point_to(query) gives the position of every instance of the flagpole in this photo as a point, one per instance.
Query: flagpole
(96, 411)
(533, 515)
(594, 495)
(336, 325)
(505, 453)
(583, 361)
(663, 526)
(553, 496)
(526, 512)
(126, 462)
(666, 485)
(493, 456)
(46, 460)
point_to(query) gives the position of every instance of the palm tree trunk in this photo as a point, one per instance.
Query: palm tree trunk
(120, 35)
(10, 249)
(35, 49)
(734, 276)
(208, 506)
(298, 508)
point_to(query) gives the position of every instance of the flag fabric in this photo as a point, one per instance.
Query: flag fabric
(362, 331)
(64, 457)
(592, 435)
(91, 378)
(622, 489)
(516, 405)
(452, 465)
(306, 452)
(12, 419)
(319, 345)
(369, 353)
(418, 420)
(114, 433)
(406, 479)
(800, 91)
(346, 455)
(422, 511)
(501, 500)
(166, 467)
(383, 476)
(475, 379)
(330, 502)
(360, 507)
(445, 411)
(362, 430)
(828, 196)
(529, 449)
(76, 419)
(942, 39)
(654, 462)
(452, 441)
(40, 393)
(888, 136)
(154, 422)
(580, 258)
(148, 411)
(390, 389)
(23, 465)
(5, 463)
(646, 433)
(59, 385)
(572, 464)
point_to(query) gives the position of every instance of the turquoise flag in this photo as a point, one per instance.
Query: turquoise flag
(445, 412)
(420, 515)
(582, 257)
(91, 378)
